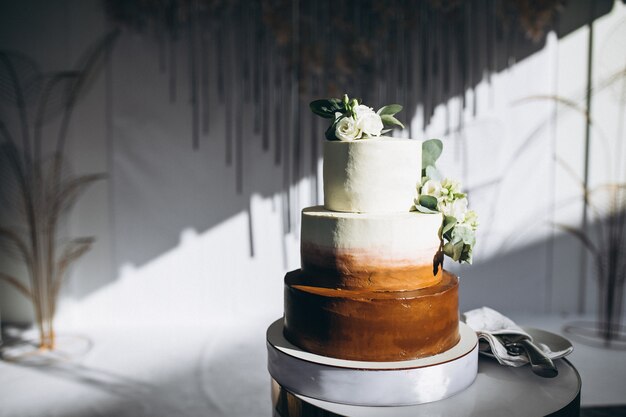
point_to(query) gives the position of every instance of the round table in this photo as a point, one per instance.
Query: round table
(497, 391)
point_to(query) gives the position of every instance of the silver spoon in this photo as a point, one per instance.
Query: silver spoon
(540, 364)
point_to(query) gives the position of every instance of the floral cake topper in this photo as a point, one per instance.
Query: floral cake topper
(437, 195)
(353, 120)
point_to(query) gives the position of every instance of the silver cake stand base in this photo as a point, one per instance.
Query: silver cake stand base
(399, 383)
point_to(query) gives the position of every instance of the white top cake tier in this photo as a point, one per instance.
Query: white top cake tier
(371, 175)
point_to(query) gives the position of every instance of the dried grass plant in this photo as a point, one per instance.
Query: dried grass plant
(34, 177)
(607, 245)
(606, 202)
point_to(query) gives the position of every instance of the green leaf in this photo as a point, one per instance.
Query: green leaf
(448, 224)
(389, 120)
(390, 109)
(431, 150)
(453, 250)
(458, 250)
(428, 201)
(448, 250)
(425, 210)
(327, 108)
(330, 132)
(466, 256)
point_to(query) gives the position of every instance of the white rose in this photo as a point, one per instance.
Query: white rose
(362, 110)
(432, 187)
(347, 130)
(370, 123)
(456, 209)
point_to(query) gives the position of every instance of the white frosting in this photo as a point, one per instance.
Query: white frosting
(371, 175)
(394, 239)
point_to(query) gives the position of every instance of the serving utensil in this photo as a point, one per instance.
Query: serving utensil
(540, 363)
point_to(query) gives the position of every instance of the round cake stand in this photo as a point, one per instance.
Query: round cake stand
(399, 383)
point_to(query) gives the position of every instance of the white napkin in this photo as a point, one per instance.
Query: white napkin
(487, 323)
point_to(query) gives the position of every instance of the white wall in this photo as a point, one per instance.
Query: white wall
(173, 235)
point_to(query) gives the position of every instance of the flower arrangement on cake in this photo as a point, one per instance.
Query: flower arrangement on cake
(352, 120)
(443, 195)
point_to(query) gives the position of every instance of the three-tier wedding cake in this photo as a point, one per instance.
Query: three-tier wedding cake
(371, 317)
(370, 287)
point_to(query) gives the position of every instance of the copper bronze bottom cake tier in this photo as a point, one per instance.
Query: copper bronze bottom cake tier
(371, 325)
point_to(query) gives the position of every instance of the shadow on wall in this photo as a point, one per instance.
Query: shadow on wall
(523, 272)
(202, 118)
(158, 175)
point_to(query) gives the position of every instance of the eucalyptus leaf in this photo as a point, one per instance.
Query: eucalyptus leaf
(428, 201)
(389, 120)
(327, 108)
(425, 210)
(390, 109)
(454, 250)
(448, 224)
(448, 250)
(431, 151)
(458, 249)
(466, 256)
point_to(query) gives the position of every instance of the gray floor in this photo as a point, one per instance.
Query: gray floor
(193, 371)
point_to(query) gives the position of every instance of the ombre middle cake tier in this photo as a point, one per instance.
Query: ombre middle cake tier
(385, 252)
(372, 325)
